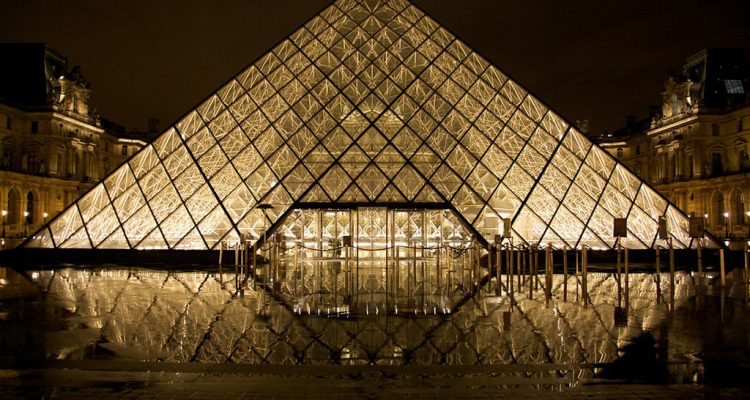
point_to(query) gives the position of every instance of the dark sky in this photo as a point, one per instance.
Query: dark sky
(592, 59)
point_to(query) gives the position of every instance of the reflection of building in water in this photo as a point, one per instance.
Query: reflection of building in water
(694, 149)
(370, 103)
(53, 145)
(193, 317)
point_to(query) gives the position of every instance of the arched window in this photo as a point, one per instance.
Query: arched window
(718, 206)
(14, 207)
(30, 208)
(738, 207)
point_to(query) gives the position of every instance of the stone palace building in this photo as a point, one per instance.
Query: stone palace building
(53, 145)
(694, 148)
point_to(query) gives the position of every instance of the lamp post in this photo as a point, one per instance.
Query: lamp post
(45, 215)
(5, 213)
(726, 225)
(25, 222)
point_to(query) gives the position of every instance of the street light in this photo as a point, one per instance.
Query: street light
(45, 215)
(5, 213)
(726, 225)
(25, 222)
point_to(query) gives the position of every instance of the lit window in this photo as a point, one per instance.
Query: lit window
(734, 86)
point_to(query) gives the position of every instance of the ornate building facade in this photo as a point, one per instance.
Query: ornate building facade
(53, 145)
(694, 148)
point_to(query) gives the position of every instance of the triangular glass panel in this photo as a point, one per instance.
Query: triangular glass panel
(428, 195)
(353, 195)
(391, 195)
(191, 241)
(78, 240)
(316, 195)
(116, 240)
(65, 224)
(593, 241)
(43, 240)
(153, 241)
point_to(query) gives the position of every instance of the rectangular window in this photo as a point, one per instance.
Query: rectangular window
(716, 167)
(7, 123)
(124, 150)
(34, 126)
(715, 129)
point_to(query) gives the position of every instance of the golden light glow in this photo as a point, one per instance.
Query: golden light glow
(391, 110)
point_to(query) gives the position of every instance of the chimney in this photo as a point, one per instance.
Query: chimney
(153, 125)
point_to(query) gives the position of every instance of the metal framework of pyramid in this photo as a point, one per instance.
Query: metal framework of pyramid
(370, 102)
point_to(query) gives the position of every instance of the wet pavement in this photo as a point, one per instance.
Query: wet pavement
(140, 333)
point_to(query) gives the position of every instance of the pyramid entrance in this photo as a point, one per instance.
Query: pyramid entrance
(372, 259)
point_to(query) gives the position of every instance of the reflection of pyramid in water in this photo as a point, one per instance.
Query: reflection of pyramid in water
(369, 102)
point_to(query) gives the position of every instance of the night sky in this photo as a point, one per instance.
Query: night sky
(599, 60)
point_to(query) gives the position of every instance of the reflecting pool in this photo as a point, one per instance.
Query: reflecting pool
(151, 315)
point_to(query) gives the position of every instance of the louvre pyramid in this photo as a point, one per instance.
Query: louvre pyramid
(370, 102)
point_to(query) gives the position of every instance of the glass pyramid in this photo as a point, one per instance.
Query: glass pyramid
(370, 102)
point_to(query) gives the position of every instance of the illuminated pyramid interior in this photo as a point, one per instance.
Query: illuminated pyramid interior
(370, 103)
